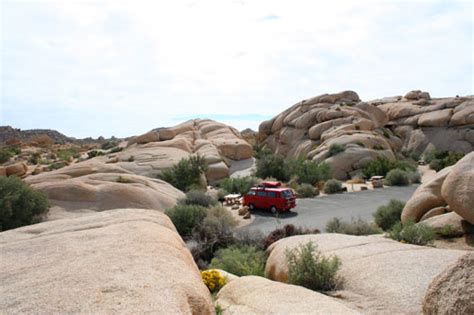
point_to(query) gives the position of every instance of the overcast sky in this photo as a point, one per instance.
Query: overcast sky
(91, 68)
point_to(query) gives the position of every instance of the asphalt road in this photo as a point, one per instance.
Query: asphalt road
(316, 212)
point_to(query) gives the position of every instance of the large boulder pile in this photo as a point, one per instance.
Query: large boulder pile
(219, 144)
(380, 275)
(121, 261)
(385, 127)
(97, 186)
(424, 123)
(310, 127)
(446, 199)
(257, 295)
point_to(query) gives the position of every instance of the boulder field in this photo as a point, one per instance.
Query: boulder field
(446, 199)
(384, 276)
(115, 262)
(385, 127)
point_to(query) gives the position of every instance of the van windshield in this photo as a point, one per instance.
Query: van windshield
(287, 194)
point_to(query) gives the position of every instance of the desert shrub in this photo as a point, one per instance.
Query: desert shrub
(307, 267)
(42, 140)
(199, 198)
(308, 172)
(186, 172)
(272, 166)
(123, 180)
(333, 186)
(94, 153)
(240, 260)
(34, 158)
(440, 159)
(186, 218)
(250, 237)
(213, 280)
(67, 154)
(109, 144)
(57, 165)
(214, 232)
(259, 151)
(116, 149)
(286, 231)
(360, 144)
(381, 166)
(445, 231)
(418, 234)
(238, 185)
(378, 147)
(355, 227)
(19, 203)
(5, 155)
(131, 158)
(397, 177)
(388, 215)
(306, 190)
(415, 177)
(336, 148)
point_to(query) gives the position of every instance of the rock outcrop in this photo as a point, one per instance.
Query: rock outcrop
(257, 295)
(385, 127)
(121, 261)
(98, 186)
(386, 276)
(161, 148)
(453, 186)
(452, 292)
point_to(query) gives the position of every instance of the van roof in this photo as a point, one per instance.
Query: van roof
(270, 188)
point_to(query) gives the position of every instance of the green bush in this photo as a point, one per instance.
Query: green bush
(307, 171)
(272, 166)
(123, 180)
(336, 148)
(378, 147)
(109, 144)
(240, 260)
(397, 177)
(260, 151)
(436, 165)
(199, 198)
(5, 155)
(389, 215)
(250, 237)
(186, 173)
(94, 153)
(381, 166)
(34, 158)
(306, 190)
(418, 234)
(355, 227)
(286, 231)
(57, 165)
(19, 203)
(186, 218)
(116, 149)
(307, 267)
(440, 159)
(238, 185)
(332, 186)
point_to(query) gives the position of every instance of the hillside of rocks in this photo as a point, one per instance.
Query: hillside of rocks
(387, 127)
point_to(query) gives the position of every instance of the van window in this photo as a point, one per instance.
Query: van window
(251, 193)
(272, 194)
(261, 194)
(287, 193)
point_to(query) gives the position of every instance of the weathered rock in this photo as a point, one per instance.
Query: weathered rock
(452, 291)
(440, 222)
(458, 188)
(426, 197)
(393, 276)
(150, 136)
(17, 169)
(257, 295)
(434, 212)
(121, 261)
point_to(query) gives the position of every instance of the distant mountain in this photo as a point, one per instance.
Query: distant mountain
(10, 133)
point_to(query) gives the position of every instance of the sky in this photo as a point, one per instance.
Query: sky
(121, 68)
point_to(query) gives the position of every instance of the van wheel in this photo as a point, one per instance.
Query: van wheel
(274, 210)
(251, 207)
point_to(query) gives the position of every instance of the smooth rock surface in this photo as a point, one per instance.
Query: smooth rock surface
(122, 261)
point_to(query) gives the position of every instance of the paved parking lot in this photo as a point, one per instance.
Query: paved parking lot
(316, 212)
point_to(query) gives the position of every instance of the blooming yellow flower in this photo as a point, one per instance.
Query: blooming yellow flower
(213, 279)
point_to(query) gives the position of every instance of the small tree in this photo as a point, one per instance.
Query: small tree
(272, 166)
(19, 203)
(336, 148)
(186, 173)
(389, 215)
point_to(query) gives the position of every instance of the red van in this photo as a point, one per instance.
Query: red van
(270, 195)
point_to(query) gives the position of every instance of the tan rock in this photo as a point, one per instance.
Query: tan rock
(458, 188)
(434, 212)
(151, 136)
(217, 171)
(393, 276)
(452, 291)
(426, 197)
(167, 134)
(17, 169)
(439, 223)
(435, 119)
(116, 261)
(256, 295)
